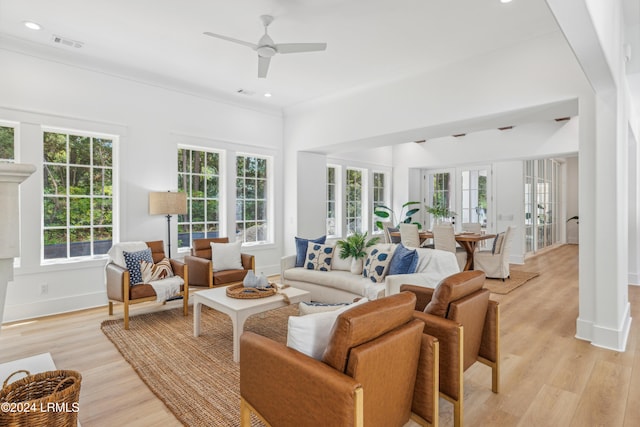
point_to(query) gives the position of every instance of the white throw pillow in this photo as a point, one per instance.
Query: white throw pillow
(226, 256)
(310, 334)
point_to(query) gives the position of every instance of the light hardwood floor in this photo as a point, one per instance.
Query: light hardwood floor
(549, 378)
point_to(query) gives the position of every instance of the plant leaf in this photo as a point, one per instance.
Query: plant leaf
(381, 214)
(411, 212)
(410, 203)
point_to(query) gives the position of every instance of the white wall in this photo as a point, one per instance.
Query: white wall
(151, 121)
(538, 73)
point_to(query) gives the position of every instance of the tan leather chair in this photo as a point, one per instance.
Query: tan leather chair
(201, 266)
(366, 376)
(467, 324)
(119, 288)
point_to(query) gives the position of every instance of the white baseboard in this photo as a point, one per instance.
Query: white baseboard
(13, 313)
(605, 337)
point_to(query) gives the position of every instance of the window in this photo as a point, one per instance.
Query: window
(354, 187)
(7, 144)
(474, 196)
(252, 197)
(440, 187)
(77, 195)
(199, 177)
(379, 196)
(331, 200)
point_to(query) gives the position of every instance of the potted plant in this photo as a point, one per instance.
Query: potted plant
(386, 212)
(439, 211)
(354, 246)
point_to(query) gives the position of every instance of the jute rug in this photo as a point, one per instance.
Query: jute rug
(516, 279)
(196, 378)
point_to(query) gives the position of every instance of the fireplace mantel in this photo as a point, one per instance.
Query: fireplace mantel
(11, 175)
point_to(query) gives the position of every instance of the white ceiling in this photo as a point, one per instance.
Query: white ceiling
(369, 41)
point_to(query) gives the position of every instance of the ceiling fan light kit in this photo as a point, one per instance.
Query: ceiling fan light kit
(266, 48)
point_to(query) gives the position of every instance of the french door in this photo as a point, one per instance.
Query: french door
(466, 191)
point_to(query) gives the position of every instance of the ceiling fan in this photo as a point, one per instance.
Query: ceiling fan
(266, 48)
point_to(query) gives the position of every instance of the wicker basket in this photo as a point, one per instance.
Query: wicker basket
(46, 399)
(239, 291)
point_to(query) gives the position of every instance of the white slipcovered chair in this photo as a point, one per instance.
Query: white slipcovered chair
(495, 262)
(409, 235)
(476, 228)
(472, 227)
(444, 239)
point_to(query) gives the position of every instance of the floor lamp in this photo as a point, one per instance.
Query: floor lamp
(168, 203)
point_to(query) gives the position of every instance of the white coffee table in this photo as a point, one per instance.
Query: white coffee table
(240, 309)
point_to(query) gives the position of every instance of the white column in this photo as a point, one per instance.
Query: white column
(593, 29)
(11, 175)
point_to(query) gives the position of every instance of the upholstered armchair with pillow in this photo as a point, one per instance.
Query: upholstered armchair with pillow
(365, 376)
(459, 313)
(139, 272)
(216, 262)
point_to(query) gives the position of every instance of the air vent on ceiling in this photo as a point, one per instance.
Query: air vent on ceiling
(562, 119)
(458, 135)
(245, 92)
(506, 128)
(64, 41)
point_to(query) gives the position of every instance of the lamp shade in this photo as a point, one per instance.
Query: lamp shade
(167, 203)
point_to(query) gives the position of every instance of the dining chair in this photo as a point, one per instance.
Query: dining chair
(476, 228)
(409, 235)
(495, 262)
(473, 227)
(385, 229)
(444, 239)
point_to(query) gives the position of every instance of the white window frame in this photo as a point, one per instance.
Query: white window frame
(115, 139)
(16, 138)
(222, 225)
(269, 202)
(337, 201)
(386, 201)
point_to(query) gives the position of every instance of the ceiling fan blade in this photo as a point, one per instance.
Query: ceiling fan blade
(231, 39)
(300, 47)
(263, 66)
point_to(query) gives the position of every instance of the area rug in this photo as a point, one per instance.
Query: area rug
(516, 279)
(196, 378)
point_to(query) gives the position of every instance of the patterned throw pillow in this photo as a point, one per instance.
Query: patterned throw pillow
(301, 248)
(497, 244)
(133, 260)
(318, 257)
(152, 272)
(377, 264)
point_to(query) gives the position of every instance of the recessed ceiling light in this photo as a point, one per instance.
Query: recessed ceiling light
(32, 25)
(267, 95)
(505, 1)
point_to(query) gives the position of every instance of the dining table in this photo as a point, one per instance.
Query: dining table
(466, 239)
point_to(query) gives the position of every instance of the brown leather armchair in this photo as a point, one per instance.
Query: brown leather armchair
(120, 290)
(201, 266)
(366, 376)
(467, 324)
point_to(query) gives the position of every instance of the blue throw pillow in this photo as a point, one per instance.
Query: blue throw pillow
(301, 248)
(404, 261)
(132, 261)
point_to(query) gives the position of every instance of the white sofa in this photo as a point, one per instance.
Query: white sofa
(340, 285)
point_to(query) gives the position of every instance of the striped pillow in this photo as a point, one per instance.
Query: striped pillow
(152, 272)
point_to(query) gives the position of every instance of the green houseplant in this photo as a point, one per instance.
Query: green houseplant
(386, 212)
(439, 211)
(354, 246)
